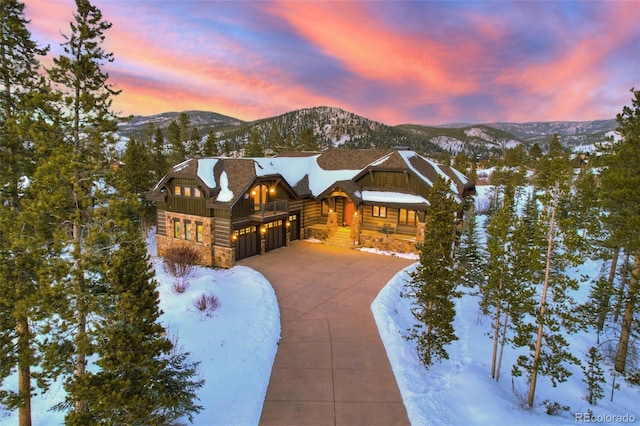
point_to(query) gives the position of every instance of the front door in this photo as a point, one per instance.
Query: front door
(349, 209)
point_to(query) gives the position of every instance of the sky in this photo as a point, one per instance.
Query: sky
(419, 62)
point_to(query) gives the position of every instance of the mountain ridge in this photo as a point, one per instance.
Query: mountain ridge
(338, 128)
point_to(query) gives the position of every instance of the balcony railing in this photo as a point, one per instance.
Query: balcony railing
(271, 209)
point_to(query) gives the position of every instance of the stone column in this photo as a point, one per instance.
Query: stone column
(420, 232)
(332, 224)
(355, 228)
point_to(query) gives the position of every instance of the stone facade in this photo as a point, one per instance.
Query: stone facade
(224, 257)
(204, 248)
(382, 242)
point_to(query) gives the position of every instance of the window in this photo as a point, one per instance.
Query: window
(197, 193)
(199, 231)
(407, 217)
(176, 228)
(324, 210)
(187, 230)
(187, 191)
(177, 190)
(379, 211)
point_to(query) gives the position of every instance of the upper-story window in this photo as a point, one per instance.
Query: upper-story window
(187, 191)
(259, 195)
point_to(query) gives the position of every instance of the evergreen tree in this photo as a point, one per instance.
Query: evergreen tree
(288, 144)
(210, 148)
(177, 152)
(136, 381)
(254, 147)
(535, 154)
(593, 377)
(86, 99)
(307, 141)
(433, 284)
(184, 124)
(470, 258)
(158, 158)
(193, 149)
(549, 350)
(135, 177)
(274, 141)
(507, 293)
(26, 124)
(621, 201)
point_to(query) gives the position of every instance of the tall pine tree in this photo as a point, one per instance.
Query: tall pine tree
(26, 122)
(621, 201)
(140, 380)
(433, 284)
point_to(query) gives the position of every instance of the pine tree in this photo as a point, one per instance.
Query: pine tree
(274, 141)
(193, 148)
(307, 141)
(470, 258)
(86, 98)
(140, 379)
(254, 147)
(549, 350)
(135, 177)
(210, 148)
(621, 201)
(158, 158)
(433, 284)
(177, 152)
(24, 277)
(593, 376)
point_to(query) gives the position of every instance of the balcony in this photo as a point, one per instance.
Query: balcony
(265, 212)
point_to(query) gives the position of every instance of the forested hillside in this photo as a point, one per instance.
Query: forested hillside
(337, 128)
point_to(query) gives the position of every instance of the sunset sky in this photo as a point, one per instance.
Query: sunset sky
(421, 62)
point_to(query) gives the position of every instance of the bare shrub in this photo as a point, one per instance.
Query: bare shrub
(180, 285)
(179, 261)
(207, 303)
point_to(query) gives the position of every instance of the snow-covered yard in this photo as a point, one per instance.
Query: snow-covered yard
(236, 346)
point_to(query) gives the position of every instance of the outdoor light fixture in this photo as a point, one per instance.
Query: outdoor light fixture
(253, 192)
(288, 224)
(263, 230)
(272, 190)
(330, 210)
(234, 237)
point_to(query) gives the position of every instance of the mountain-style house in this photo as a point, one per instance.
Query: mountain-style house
(233, 208)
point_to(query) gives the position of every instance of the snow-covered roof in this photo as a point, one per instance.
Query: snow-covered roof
(391, 197)
(315, 174)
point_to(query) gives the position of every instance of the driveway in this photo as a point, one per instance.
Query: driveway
(331, 367)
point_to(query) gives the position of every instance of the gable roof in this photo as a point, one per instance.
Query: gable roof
(308, 174)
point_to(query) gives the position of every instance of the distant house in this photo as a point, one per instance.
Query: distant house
(233, 208)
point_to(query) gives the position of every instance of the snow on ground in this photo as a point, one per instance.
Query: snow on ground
(237, 345)
(460, 391)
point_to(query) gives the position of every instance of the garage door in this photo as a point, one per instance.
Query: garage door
(275, 234)
(246, 242)
(294, 225)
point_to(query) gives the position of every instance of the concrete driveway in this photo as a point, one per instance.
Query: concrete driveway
(331, 367)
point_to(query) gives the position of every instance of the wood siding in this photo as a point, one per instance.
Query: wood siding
(187, 205)
(162, 223)
(221, 232)
(389, 179)
(312, 213)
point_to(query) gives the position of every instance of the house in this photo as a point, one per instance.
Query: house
(233, 208)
